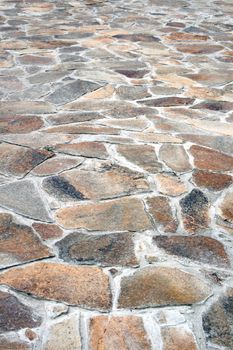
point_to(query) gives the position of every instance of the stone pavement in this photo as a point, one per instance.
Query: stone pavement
(116, 175)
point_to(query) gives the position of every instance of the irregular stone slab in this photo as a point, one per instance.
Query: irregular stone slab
(179, 337)
(175, 157)
(83, 129)
(157, 286)
(15, 315)
(25, 107)
(225, 209)
(118, 332)
(18, 161)
(218, 321)
(126, 214)
(167, 101)
(104, 184)
(195, 211)
(18, 243)
(212, 105)
(64, 335)
(152, 137)
(78, 117)
(132, 92)
(137, 37)
(199, 248)
(133, 73)
(47, 231)
(19, 124)
(56, 165)
(208, 159)
(179, 36)
(196, 49)
(141, 155)
(10, 344)
(106, 250)
(72, 91)
(75, 285)
(24, 198)
(212, 181)
(35, 60)
(125, 124)
(170, 185)
(160, 209)
(85, 149)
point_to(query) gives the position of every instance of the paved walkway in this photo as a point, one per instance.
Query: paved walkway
(116, 195)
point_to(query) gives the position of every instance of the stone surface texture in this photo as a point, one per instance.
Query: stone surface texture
(116, 175)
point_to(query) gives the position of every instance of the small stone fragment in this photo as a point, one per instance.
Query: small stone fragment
(118, 332)
(15, 315)
(218, 321)
(126, 214)
(195, 211)
(209, 159)
(106, 250)
(212, 181)
(160, 209)
(84, 286)
(157, 286)
(30, 334)
(64, 335)
(175, 157)
(23, 198)
(199, 248)
(177, 338)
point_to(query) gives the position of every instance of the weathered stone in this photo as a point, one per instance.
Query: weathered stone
(179, 337)
(18, 243)
(152, 137)
(35, 60)
(168, 101)
(109, 249)
(132, 92)
(56, 165)
(157, 286)
(160, 210)
(221, 106)
(199, 48)
(47, 231)
(78, 117)
(143, 156)
(15, 315)
(199, 248)
(179, 36)
(209, 159)
(13, 344)
(170, 185)
(125, 124)
(83, 129)
(71, 91)
(195, 211)
(18, 161)
(175, 157)
(25, 107)
(19, 124)
(24, 198)
(104, 184)
(137, 37)
(218, 321)
(75, 285)
(118, 332)
(225, 209)
(114, 215)
(212, 181)
(85, 149)
(64, 335)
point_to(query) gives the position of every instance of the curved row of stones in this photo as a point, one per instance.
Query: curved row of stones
(116, 175)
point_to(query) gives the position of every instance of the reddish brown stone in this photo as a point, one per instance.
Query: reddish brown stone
(199, 48)
(195, 211)
(212, 181)
(179, 36)
(160, 209)
(208, 159)
(75, 285)
(13, 344)
(30, 334)
(18, 243)
(56, 165)
(177, 338)
(18, 161)
(157, 286)
(85, 149)
(15, 315)
(199, 248)
(118, 332)
(221, 106)
(126, 214)
(19, 124)
(47, 231)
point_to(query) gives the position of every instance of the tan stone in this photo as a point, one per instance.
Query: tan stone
(56, 165)
(113, 215)
(104, 92)
(170, 185)
(82, 129)
(113, 333)
(225, 209)
(85, 149)
(75, 285)
(179, 36)
(154, 137)
(158, 286)
(175, 157)
(64, 335)
(177, 338)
